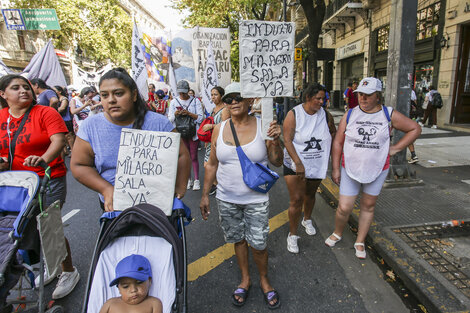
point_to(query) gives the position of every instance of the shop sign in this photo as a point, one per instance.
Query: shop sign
(350, 49)
(31, 19)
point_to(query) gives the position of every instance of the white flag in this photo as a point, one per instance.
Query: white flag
(139, 71)
(209, 80)
(172, 81)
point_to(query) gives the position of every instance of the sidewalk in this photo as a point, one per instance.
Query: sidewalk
(432, 260)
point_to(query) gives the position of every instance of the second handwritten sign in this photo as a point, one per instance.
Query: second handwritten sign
(266, 58)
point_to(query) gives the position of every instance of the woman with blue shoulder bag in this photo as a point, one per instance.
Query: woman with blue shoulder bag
(238, 159)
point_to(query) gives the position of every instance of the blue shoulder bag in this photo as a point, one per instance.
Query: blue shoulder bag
(255, 175)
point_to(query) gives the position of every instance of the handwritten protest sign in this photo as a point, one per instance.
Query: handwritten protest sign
(266, 58)
(146, 169)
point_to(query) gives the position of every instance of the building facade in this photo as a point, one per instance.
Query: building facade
(358, 31)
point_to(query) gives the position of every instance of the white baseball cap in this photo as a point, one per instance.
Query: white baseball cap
(369, 85)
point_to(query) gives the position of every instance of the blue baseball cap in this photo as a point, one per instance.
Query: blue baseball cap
(133, 266)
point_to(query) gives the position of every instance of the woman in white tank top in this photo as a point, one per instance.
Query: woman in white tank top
(308, 132)
(243, 213)
(360, 157)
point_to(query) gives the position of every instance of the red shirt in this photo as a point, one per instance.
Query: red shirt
(353, 102)
(43, 122)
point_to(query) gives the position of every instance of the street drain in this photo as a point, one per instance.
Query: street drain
(437, 244)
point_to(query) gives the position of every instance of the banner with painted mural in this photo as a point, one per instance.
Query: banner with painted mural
(189, 54)
(219, 38)
(157, 52)
(266, 58)
(146, 169)
(82, 78)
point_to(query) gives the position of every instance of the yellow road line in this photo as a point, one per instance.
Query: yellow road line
(216, 257)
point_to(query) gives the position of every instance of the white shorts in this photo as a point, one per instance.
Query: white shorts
(351, 187)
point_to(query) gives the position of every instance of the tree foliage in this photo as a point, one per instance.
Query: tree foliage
(314, 13)
(226, 13)
(101, 28)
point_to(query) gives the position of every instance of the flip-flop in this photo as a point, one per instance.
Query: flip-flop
(270, 296)
(242, 293)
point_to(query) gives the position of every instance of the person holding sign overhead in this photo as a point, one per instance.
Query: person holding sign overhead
(243, 212)
(95, 152)
(308, 133)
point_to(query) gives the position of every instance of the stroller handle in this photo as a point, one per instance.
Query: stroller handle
(45, 179)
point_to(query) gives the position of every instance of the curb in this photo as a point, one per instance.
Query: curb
(427, 285)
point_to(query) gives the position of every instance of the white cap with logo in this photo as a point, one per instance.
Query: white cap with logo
(369, 85)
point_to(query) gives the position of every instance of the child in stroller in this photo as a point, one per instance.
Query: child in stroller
(133, 279)
(144, 230)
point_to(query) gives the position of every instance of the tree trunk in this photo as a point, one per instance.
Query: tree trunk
(314, 11)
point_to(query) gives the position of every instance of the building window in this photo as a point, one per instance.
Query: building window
(20, 35)
(427, 23)
(382, 38)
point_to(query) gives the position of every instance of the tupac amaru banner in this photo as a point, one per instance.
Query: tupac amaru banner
(189, 54)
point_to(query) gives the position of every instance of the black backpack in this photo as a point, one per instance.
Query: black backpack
(437, 100)
(185, 124)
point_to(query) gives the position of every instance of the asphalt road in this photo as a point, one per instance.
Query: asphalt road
(318, 279)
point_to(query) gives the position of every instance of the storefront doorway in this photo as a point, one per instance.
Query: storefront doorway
(461, 111)
(351, 69)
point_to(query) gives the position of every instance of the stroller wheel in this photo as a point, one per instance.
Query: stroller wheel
(56, 309)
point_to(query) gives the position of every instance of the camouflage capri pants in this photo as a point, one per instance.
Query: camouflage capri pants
(245, 221)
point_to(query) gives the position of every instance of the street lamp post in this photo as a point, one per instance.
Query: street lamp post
(399, 79)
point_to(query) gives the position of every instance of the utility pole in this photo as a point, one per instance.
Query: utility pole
(399, 79)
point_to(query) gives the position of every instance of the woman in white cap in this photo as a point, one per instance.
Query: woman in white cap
(361, 157)
(243, 212)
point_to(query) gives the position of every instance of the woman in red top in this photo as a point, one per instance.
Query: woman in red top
(42, 138)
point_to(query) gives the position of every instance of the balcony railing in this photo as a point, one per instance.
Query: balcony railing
(335, 5)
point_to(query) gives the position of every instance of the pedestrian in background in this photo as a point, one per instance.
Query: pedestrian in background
(361, 157)
(430, 110)
(308, 133)
(345, 93)
(64, 111)
(45, 95)
(351, 97)
(413, 116)
(96, 148)
(243, 212)
(185, 105)
(45, 130)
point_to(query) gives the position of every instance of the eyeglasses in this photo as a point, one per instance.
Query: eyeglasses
(229, 100)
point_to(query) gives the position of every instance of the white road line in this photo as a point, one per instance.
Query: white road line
(467, 181)
(69, 215)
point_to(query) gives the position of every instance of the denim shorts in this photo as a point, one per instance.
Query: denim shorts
(245, 221)
(351, 187)
(56, 189)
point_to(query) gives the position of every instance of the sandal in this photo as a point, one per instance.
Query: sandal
(330, 242)
(361, 254)
(270, 296)
(242, 293)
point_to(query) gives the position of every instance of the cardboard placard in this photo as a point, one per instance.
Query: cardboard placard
(146, 169)
(267, 59)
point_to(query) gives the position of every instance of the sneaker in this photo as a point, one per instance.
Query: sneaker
(420, 124)
(197, 185)
(292, 243)
(47, 279)
(413, 160)
(213, 190)
(190, 183)
(434, 126)
(309, 229)
(67, 281)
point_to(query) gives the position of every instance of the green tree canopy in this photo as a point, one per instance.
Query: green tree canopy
(101, 28)
(227, 13)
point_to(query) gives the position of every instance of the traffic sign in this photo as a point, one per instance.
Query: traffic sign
(13, 19)
(298, 54)
(31, 19)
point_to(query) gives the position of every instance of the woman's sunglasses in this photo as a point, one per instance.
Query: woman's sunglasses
(229, 100)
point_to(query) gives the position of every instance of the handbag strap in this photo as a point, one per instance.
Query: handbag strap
(234, 133)
(11, 155)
